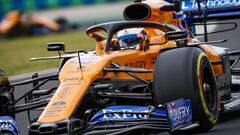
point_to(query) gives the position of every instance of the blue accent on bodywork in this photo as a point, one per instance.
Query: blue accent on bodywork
(215, 7)
(180, 113)
(7, 123)
(177, 113)
(181, 25)
(190, 5)
(128, 113)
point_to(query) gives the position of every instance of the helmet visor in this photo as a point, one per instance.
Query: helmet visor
(130, 40)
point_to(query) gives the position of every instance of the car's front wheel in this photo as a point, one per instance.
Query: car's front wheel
(187, 73)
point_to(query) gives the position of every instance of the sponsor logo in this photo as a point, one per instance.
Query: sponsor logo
(123, 114)
(180, 113)
(73, 79)
(59, 103)
(78, 70)
(64, 92)
(137, 64)
(193, 5)
(5, 125)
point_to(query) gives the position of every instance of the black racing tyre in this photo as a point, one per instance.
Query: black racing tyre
(187, 73)
(3, 78)
(5, 95)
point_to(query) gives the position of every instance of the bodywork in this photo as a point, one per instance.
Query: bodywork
(73, 78)
(109, 90)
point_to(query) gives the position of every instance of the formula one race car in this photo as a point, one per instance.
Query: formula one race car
(148, 74)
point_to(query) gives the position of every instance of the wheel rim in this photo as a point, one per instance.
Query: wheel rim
(208, 87)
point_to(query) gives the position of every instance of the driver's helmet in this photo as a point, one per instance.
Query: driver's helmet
(134, 38)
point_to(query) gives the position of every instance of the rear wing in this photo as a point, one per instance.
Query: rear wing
(216, 9)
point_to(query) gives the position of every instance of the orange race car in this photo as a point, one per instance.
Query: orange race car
(147, 74)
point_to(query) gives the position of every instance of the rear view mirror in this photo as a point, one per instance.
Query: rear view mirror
(176, 35)
(172, 7)
(56, 46)
(180, 37)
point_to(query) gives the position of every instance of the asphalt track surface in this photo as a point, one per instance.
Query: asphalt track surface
(228, 124)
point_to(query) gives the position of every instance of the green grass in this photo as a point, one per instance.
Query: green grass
(16, 52)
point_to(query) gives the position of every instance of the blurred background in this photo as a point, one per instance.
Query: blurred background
(26, 26)
(66, 8)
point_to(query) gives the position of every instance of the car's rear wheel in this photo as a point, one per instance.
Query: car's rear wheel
(187, 73)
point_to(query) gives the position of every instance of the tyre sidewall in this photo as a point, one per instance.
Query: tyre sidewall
(207, 117)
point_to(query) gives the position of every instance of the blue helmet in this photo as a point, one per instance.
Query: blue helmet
(131, 38)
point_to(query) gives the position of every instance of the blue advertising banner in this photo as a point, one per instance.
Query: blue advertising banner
(190, 5)
(129, 113)
(217, 9)
(180, 113)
